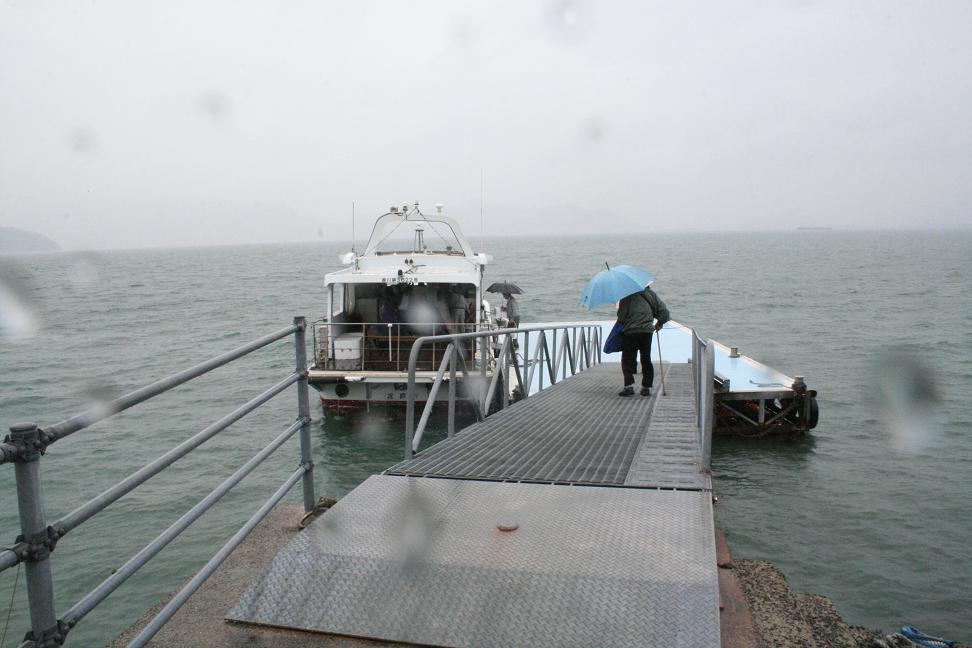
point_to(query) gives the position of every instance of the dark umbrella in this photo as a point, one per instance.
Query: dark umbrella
(505, 287)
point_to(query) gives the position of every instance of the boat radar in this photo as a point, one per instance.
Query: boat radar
(418, 244)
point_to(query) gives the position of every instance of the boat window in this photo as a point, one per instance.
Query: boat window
(337, 300)
(349, 298)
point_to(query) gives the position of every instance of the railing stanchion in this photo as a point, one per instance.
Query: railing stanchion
(452, 389)
(410, 399)
(303, 411)
(556, 358)
(572, 355)
(708, 403)
(527, 376)
(505, 363)
(484, 342)
(389, 342)
(543, 355)
(33, 526)
(599, 345)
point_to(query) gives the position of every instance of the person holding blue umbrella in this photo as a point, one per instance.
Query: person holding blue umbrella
(640, 313)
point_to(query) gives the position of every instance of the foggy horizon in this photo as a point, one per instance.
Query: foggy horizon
(475, 237)
(177, 125)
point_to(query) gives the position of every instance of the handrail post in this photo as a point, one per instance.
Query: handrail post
(598, 346)
(410, 398)
(34, 530)
(708, 415)
(527, 376)
(695, 379)
(452, 389)
(556, 358)
(505, 398)
(303, 411)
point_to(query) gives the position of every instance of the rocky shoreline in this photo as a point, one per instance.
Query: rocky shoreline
(782, 618)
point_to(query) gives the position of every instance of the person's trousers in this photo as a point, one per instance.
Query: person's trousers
(631, 345)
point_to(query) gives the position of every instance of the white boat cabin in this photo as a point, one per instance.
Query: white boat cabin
(418, 276)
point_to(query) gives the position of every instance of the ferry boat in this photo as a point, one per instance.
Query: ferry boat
(418, 275)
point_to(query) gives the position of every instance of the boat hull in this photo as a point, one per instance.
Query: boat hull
(344, 398)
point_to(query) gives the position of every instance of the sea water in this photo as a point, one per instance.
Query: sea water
(871, 509)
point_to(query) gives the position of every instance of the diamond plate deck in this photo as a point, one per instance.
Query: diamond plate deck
(422, 561)
(576, 432)
(669, 455)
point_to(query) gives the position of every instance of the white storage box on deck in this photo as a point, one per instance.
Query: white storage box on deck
(347, 346)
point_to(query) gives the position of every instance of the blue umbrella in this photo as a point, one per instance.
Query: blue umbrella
(614, 284)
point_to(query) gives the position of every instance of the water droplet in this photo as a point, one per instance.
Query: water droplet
(592, 130)
(18, 317)
(215, 105)
(17, 322)
(463, 32)
(83, 273)
(82, 139)
(910, 401)
(570, 21)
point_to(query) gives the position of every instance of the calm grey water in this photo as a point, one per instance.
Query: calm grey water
(880, 526)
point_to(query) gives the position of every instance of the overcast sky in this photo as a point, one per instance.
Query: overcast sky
(136, 124)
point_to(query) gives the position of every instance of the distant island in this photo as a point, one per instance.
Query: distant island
(14, 241)
(816, 229)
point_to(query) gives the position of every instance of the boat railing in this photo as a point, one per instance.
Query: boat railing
(27, 442)
(381, 346)
(578, 348)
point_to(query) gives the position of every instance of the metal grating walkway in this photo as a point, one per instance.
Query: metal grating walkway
(422, 561)
(579, 432)
(669, 455)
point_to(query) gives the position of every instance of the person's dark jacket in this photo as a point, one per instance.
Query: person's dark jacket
(637, 311)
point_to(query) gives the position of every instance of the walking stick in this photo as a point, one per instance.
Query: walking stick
(661, 367)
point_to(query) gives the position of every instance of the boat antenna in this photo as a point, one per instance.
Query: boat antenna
(482, 210)
(606, 265)
(352, 226)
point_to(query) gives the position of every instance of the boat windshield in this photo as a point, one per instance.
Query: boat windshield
(416, 233)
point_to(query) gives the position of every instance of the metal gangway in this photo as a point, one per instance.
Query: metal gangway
(571, 517)
(580, 435)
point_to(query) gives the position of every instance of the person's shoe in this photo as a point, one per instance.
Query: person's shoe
(646, 391)
(627, 391)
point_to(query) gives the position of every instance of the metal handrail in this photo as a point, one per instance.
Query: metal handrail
(27, 442)
(179, 599)
(577, 354)
(703, 375)
(85, 419)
